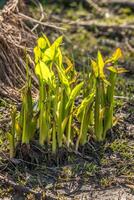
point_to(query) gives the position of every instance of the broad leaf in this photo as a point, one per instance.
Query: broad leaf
(42, 43)
(43, 72)
(115, 57)
(117, 54)
(51, 53)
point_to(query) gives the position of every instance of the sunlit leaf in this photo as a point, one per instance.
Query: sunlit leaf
(58, 42)
(117, 54)
(47, 40)
(43, 71)
(100, 63)
(86, 101)
(63, 78)
(100, 60)
(69, 65)
(74, 93)
(37, 54)
(101, 114)
(41, 43)
(117, 70)
(50, 53)
(95, 68)
(115, 57)
(58, 57)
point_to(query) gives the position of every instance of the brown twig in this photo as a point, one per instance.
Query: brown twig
(130, 48)
(129, 3)
(98, 24)
(37, 3)
(99, 10)
(39, 22)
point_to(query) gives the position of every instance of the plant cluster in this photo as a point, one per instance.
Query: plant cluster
(55, 113)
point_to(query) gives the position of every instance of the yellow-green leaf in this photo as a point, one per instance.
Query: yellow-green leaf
(100, 60)
(94, 67)
(117, 54)
(69, 65)
(43, 71)
(47, 40)
(58, 58)
(51, 53)
(58, 42)
(37, 54)
(117, 70)
(74, 93)
(115, 57)
(41, 43)
(100, 63)
(86, 101)
(63, 79)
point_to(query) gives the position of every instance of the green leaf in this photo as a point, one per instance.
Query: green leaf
(115, 57)
(100, 60)
(37, 54)
(63, 79)
(74, 93)
(94, 67)
(86, 101)
(43, 72)
(50, 53)
(117, 54)
(58, 42)
(59, 58)
(69, 65)
(41, 42)
(47, 40)
(100, 63)
(117, 70)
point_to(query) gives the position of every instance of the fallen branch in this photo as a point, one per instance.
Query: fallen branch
(18, 187)
(98, 24)
(130, 48)
(129, 3)
(39, 22)
(99, 10)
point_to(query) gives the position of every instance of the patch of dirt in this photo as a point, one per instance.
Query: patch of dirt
(98, 171)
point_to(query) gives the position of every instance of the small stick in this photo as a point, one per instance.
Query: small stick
(39, 22)
(99, 24)
(129, 3)
(42, 14)
(121, 97)
(96, 7)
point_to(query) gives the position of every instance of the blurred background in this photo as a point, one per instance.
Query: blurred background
(87, 25)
